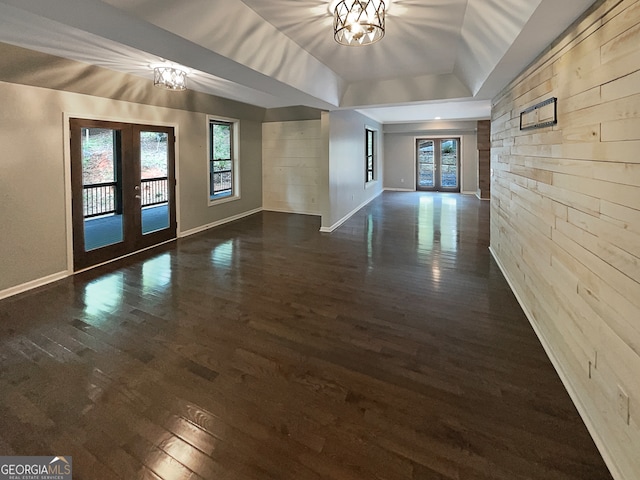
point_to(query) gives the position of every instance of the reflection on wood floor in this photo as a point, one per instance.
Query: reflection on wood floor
(390, 349)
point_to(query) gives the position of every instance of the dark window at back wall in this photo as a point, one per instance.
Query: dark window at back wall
(370, 154)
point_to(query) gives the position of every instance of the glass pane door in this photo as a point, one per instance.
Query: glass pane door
(426, 164)
(449, 164)
(438, 164)
(153, 190)
(123, 189)
(101, 188)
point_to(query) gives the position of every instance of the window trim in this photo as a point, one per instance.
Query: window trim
(373, 154)
(235, 160)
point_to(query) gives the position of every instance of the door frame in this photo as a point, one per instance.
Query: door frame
(66, 130)
(459, 138)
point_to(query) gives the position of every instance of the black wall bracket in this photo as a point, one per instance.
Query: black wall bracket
(540, 115)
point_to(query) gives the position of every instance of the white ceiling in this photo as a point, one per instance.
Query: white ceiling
(439, 58)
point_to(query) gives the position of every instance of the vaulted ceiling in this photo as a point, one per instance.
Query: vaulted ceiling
(444, 58)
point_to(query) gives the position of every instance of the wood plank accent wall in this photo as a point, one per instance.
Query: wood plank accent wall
(565, 219)
(291, 166)
(484, 159)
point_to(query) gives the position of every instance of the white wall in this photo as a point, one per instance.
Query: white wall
(347, 190)
(292, 164)
(400, 152)
(565, 219)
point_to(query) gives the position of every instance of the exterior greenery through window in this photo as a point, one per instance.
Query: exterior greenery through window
(370, 154)
(221, 160)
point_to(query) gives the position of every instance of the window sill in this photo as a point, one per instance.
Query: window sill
(220, 200)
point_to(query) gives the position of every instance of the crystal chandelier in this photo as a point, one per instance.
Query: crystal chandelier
(170, 78)
(358, 22)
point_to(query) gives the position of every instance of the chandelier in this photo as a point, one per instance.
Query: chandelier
(170, 78)
(358, 22)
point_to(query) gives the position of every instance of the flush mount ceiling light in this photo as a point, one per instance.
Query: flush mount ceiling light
(358, 22)
(168, 77)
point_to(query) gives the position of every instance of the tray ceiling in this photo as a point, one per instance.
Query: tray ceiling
(278, 53)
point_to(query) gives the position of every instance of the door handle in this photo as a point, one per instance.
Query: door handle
(137, 188)
(138, 197)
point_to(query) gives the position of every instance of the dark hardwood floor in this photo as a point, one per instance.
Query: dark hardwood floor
(390, 349)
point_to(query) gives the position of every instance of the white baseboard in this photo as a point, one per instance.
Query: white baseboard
(565, 378)
(480, 198)
(295, 212)
(349, 215)
(202, 228)
(8, 292)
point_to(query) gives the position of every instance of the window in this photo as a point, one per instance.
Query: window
(222, 160)
(370, 155)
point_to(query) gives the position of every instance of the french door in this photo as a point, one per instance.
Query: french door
(123, 189)
(438, 164)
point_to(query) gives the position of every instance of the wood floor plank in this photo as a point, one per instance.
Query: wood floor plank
(265, 350)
